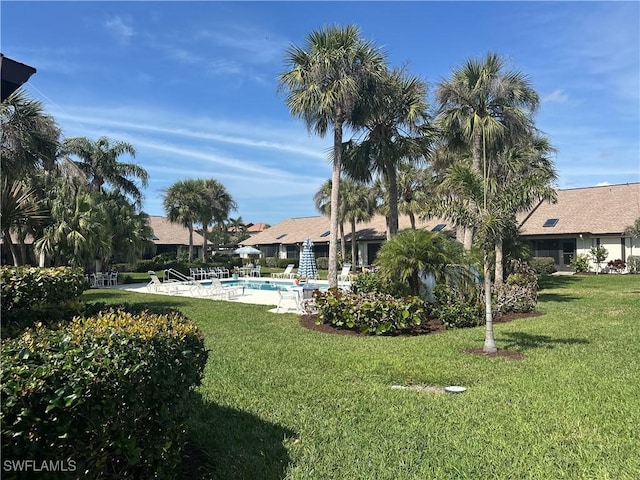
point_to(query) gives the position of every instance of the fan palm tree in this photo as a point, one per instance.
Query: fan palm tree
(414, 187)
(483, 103)
(324, 80)
(19, 207)
(394, 117)
(28, 136)
(216, 204)
(322, 201)
(99, 162)
(358, 204)
(181, 204)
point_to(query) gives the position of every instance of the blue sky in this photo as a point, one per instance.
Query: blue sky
(193, 85)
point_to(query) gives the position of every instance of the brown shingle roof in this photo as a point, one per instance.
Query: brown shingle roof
(596, 210)
(295, 230)
(167, 233)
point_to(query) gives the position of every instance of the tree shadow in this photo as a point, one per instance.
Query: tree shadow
(556, 297)
(556, 281)
(227, 443)
(522, 340)
(153, 301)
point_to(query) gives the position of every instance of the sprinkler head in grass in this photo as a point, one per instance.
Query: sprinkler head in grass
(454, 389)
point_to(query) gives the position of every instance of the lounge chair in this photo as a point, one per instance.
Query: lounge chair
(286, 274)
(344, 275)
(229, 291)
(155, 285)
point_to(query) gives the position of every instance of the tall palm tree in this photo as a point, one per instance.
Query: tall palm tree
(322, 201)
(527, 170)
(394, 117)
(324, 80)
(358, 204)
(216, 204)
(414, 186)
(181, 204)
(482, 103)
(99, 162)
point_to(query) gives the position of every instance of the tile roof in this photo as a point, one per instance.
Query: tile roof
(295, 230)
(596, 210)
(167, 233)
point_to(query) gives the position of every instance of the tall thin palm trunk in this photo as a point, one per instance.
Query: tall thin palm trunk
(335, 192)
(489, 342)
(499, 269)
(392, 185)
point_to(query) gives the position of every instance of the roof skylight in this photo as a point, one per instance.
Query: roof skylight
(326, 234)
(281, 236)
(438, 227)
(551, 222)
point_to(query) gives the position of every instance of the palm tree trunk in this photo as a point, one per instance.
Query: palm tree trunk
(477, 149)
(392, 188)
(468, 238)
(12, 247)
(412, 219)
(190, 227)
(499, 270)
(489, 342)
(353, 243)
(332, 276)
(343, 245)
(205, 228)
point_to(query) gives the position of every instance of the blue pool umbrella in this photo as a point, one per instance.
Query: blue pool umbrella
(307, 267)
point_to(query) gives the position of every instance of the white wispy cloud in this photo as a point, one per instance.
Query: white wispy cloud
(557, 96)
(119, 28)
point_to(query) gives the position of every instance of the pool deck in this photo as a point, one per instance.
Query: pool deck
(255, 297)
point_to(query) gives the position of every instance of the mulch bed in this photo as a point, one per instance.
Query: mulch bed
(432, 326)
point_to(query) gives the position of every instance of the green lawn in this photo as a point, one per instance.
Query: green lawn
(280, 401)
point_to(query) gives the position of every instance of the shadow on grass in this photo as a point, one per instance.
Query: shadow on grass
(151, 301)
(556, 281)
(233, 444)
(522, 340)
(556, 297)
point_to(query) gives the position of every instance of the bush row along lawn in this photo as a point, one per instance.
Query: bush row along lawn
(281, 401)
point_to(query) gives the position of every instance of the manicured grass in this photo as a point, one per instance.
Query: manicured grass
(280, 401)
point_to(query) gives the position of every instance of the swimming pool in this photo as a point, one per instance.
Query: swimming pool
(260, 285)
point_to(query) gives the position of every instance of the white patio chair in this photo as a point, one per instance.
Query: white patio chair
(344, 275)
(290, 297)
(255, 271)
(155, 285)
(113, 279)
(286, 274)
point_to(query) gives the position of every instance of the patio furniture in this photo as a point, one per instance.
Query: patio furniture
(155, 285)
(344, 275)
(255, 271)
(290, 296)
(113, 279)
(286, 274)
(98, 279)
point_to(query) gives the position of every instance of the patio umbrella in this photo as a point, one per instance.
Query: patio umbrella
(307, 267)
(247, 250)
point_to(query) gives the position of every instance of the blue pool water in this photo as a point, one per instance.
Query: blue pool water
(273, 286)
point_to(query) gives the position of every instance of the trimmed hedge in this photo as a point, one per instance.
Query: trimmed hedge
(31, 294)
(543, 265)
(109, 392)
(372, 313)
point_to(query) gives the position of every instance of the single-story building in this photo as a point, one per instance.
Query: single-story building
(284, 240)
(579, 219)
(173, 237)
(583, 218)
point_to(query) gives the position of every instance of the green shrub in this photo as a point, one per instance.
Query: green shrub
(373, 283)
(633, 263)
(109, 392)
(31, 294)
(322, 263)
(456, 311)
(371, 313)
(543, 265)
(580, 263)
